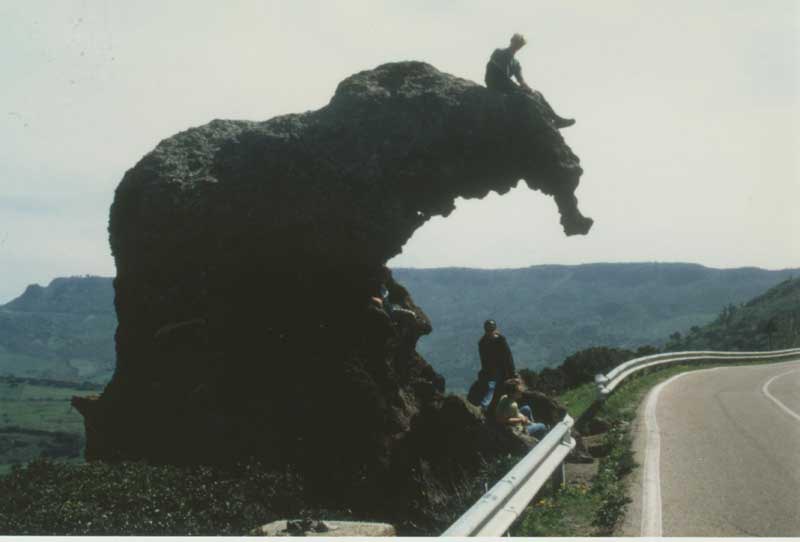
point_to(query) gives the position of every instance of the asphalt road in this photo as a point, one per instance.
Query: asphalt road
(719, 451)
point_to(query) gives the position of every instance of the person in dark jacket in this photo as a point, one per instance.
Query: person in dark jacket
(503, 65)
(497, 363)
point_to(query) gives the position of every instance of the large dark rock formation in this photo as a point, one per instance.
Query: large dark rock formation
(246, 255)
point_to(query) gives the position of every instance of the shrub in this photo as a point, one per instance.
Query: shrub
(580, 368)
(48, 498)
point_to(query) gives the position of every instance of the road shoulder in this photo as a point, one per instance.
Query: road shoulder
(631, 523)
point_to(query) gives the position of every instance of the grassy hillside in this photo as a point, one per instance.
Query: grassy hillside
(549, 312)
(64, 331)
(770, 321)
(36, 420)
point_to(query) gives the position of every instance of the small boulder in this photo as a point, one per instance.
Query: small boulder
(545, 409)
(310, 527)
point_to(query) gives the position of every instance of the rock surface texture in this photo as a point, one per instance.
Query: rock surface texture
(247, 253)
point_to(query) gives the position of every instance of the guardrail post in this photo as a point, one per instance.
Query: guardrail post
(559, 478)
(600, 381)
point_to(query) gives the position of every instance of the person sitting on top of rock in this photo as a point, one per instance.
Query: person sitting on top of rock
(519, 418)
(503, 65)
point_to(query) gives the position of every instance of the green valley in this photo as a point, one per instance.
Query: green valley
(37, 420)
(549, 312)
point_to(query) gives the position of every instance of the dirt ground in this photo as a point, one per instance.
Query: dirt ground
(581, 473)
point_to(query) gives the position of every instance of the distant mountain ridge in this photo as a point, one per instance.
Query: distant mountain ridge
(65, 331)
(548, 312)
(77, 295)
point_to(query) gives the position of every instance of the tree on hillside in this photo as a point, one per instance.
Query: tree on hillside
(674, 342)
(727, 313)
(770, 327)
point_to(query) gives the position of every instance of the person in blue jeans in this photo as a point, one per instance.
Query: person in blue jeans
(520, 418)
(497, 363)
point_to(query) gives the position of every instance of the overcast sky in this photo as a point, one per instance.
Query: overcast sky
(687, 117)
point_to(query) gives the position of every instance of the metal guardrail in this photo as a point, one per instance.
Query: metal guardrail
(494, 513)
(608, 382)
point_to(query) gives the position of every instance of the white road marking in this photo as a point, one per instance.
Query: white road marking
(765, 391)
(651, 478)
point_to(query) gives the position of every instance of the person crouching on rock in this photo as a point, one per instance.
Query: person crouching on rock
(404, 320)
(503, 65)
(520, 418)
(395, 312)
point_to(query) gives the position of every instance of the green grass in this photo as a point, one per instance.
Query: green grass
(46, 498)
(564, 514)
(579, 509)
(25, 408)
(578, 400)
(42, 408)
